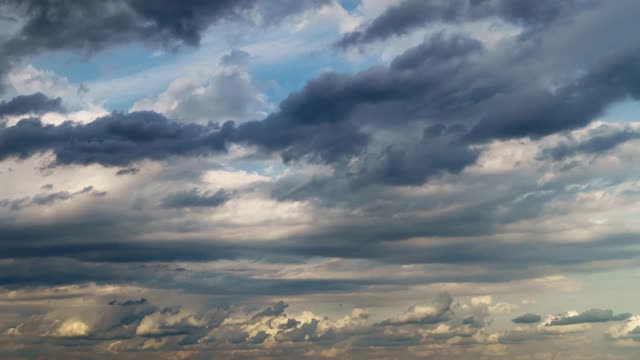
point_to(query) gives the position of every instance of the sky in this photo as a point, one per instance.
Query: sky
(319, 179)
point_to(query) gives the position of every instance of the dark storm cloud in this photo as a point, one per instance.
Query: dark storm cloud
(591, 316)
(195, 198)
(37, 103)
(527, 319)
(598, 141)
(411, 14)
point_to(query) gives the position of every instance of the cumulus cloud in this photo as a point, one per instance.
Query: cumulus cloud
(138, 325)
(72, 328)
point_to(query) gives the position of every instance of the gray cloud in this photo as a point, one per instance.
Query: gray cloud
(591, 316)
(527, 318)
(599, 141)
(194, 198)
(37, 103)
(274, 310)
(349, 205)
(235, 57)
(44, 199)
(128, 171)
(114, 140)
(411, 14)
(140, 323)
(573, 105)
(95, 25)
(328, 120)
(413, 165)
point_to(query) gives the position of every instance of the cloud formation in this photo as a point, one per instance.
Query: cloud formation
(266, 197)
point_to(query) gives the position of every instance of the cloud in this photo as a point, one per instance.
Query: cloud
(437, 170)
(127, 171)
(430, 314)
(629, 329)
(114, 140)
(335, 117)
(527, 318)
(71, 328)
(194, 198)
(227, 93)
(141, 326)
(590, 316)
(405, 17)
(598, 141)
(275, 310)
(37, 104)
(95, 25)
(235, 57)
(46, 199)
